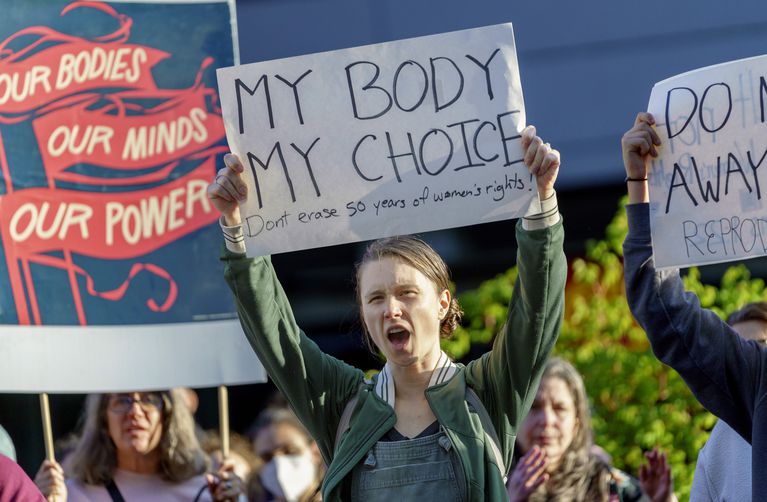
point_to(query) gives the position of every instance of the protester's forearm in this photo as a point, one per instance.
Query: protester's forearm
(545, 214)
(714, 362)
(638, 192)
(232, 219)
(324, 384)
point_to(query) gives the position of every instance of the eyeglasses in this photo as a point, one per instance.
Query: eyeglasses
(121, 403)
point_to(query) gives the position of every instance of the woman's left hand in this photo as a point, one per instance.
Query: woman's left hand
(225, 485)
(528, 475)
(541, 160)
(655, 477)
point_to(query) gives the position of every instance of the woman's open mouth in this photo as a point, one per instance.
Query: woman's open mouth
(398, 337)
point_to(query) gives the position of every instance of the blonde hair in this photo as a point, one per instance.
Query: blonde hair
(581, 475)
(419, 255)
(94, 459)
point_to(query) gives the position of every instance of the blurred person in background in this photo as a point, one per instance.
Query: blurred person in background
(6, 444)
(558, 459)
(137, 446)
(292, 468)
(15, 485)
(241, 456)
(723, 471)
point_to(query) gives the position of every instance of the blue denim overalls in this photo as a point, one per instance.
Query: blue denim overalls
(423, 469)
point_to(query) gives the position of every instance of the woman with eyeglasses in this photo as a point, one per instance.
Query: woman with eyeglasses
(137, 446)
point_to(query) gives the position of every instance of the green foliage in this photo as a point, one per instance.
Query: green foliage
(637, 402)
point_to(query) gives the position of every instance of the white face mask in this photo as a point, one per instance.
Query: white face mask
(289, 476)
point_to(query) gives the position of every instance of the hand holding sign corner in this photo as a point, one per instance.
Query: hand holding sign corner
(638, 143)
(541, 160)
(228, 189)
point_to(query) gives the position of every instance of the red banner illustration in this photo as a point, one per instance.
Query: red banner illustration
(73, 68)
(115, 225)
(101, 124)
(35, 75)
(109, 137)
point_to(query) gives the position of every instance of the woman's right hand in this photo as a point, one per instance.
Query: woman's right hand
(50, 481)
(228, 190)
(639, 144)
(528, 475)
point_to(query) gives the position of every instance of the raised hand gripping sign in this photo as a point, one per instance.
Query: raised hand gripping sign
(707, 184)
(393, 138)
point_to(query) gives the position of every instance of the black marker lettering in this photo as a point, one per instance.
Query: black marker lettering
(683, 183)
(469, 161)
(449, 155)
(294, 86)
(238, 85)
(396, 86)
(437, 105)
(393, 157)
(486, 68)
(354, 158)
(753, 170)
(367, 87)
(690, 115)
(305, 156)
(505, 139)
(702, 102)
(730, 161)
(265, 165)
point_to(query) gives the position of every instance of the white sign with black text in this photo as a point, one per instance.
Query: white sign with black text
(707, 184)
(386, 139)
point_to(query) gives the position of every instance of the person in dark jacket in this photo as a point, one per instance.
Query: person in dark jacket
(727, 374)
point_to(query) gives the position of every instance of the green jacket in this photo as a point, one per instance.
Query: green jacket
(318, 386)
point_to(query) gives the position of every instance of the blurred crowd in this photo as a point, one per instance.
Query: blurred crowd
(134, 446)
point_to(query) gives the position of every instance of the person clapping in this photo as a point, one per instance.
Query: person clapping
(559, 460)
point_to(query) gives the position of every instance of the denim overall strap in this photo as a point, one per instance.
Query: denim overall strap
(421, 469)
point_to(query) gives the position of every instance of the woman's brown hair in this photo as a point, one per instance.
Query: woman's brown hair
(94, 459)
(581, 475)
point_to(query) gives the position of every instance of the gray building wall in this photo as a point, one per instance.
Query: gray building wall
(586, 67)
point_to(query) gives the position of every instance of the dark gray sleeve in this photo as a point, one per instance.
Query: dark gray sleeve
(721, 369)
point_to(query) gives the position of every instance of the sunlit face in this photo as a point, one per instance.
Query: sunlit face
(402, 310)
(280, 439)
(136, 430)
(552, 421)
(752, 330)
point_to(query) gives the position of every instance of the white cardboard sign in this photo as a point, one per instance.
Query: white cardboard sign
(708, 183)
(126, 357)
(393, 138)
